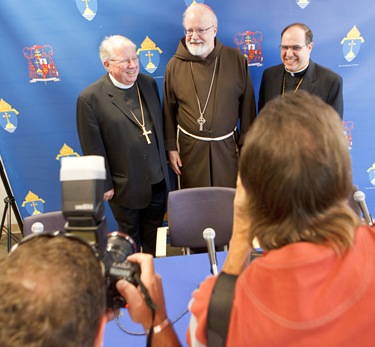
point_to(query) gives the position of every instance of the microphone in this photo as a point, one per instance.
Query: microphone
(37, 228)
(209, 237)
(359, 197)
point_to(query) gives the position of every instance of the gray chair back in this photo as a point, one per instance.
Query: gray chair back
(52, 221)
(192, 210)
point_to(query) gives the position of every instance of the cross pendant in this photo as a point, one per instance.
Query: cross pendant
(201, 121)
(145, 134)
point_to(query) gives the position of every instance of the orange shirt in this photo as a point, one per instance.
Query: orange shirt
(300, 295)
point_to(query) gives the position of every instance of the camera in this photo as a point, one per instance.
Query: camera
(83, 208)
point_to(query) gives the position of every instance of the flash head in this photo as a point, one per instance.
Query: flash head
(82, 190)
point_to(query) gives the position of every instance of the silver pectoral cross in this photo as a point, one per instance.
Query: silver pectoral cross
(145, 134)
(201, 121)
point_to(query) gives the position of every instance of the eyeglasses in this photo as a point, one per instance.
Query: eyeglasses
(126, 62)
(294, 48)
(200, 32)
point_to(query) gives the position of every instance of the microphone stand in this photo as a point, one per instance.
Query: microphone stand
(10, 204)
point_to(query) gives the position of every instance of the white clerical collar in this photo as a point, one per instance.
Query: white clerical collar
(297, 73)
(119, 84)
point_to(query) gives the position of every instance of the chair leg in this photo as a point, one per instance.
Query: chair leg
(161, 242)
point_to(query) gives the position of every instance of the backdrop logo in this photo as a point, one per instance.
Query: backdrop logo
(149, 55)
(193, 2)
(371, 174)
(41, 65)
(348, 127)
(302, 3)
(66, 151)
(8, 117)
(33, 204)
(351, 44)
(87, 8)
(249, 43)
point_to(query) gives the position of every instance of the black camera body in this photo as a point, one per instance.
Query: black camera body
(117, 266)
(82, 194)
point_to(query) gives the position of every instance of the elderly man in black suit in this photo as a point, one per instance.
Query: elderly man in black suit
(119, 117)
(298, 71)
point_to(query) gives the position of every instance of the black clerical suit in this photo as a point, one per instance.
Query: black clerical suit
(106, 127)
(317, 80)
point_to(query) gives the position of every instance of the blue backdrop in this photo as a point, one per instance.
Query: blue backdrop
(49, 53)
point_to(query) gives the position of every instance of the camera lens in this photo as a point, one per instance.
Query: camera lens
(120, 246)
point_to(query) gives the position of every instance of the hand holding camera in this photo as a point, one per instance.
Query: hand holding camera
(137, 305)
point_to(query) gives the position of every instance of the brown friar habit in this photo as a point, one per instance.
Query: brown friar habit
(231, 104)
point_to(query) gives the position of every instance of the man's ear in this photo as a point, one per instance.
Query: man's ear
(100, 333)
(106, 65)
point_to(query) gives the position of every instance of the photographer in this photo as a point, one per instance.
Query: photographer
(53, 294)
(315, 283)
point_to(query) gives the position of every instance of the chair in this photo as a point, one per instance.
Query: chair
(52, 221)
(190, 212)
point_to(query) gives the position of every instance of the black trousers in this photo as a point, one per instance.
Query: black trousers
(142, 224)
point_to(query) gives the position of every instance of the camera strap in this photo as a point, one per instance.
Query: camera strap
(220, 305)
(151, 305)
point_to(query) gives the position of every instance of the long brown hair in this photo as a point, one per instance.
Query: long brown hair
(296, 169)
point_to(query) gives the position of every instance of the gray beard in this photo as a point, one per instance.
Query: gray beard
(197, 49)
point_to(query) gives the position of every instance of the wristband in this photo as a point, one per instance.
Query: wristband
(160, 327)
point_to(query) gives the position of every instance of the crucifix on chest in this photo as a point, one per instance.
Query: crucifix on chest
(146, 133)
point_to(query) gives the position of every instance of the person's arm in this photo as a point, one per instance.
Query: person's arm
(170, 109)
(175, 161)
(109, 195)
(90, 136)
(139, 311)
(239, 246)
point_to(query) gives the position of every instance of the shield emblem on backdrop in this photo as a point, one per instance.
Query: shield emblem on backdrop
(40, 63)
(33, 204)
(249, 43)
(351, 44)
(150, 59)
(302, 3)
(8, 117)
(350, 49)
(149, 55)
(87, 8)
(371, 174)
(8, 121)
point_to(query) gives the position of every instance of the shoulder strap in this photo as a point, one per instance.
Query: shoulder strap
(219, 310)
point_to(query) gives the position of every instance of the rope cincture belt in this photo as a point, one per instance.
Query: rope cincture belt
(220, 138)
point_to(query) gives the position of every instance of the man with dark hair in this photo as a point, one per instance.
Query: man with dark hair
(299, 72)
